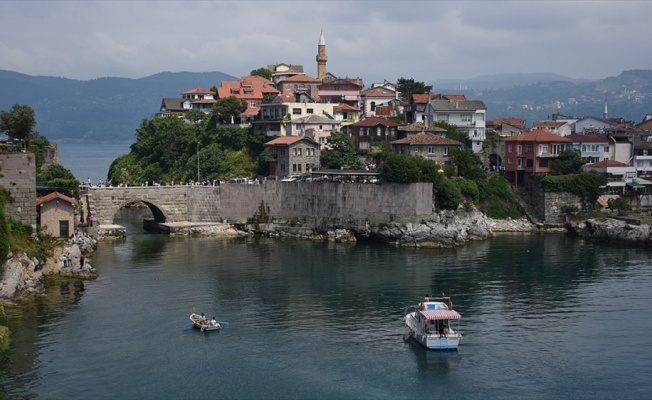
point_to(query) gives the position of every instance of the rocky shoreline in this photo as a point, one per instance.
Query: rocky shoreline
(20, 275)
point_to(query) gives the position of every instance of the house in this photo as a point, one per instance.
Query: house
(300, 84)
(56, 214)
(373, 98)
(590, 124)
(560, 128)
(275, 116)
(340, 90)
(314, 126)
(468, 115)
(591, 147)
(646, 124)
(253, 89)
(283, 71)
(617, 174)
(370, 132)
(346, 114)
(172, 107)
(199, 98)
(419, 127)
(532, 152)
(427, 145)
(291, 155)
(416, 110)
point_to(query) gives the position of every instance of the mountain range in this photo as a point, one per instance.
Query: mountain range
(110, 109)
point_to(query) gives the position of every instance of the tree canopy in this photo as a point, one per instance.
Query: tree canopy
(262, 71)
(340, 153)
(568, 162)
(408, 87)
(18, 122)
(228, 108)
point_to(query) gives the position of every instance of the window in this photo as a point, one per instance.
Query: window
(558, 148)
(322, 140)
(479, 116)
(510, 148)
(543, 149)
(308, 167)
(299, 151)
(310, 111)
(64, 229)
(509, 161)
(466, 117)
(296, 88)
(321, 128)
(373, 106)
(296, 111)
(431, 150)
(543, 162)
(606, 149)
(446, 150)
(529, 163)
(252, 104)
(294, 168)
(529, 147)
(378, 131)
(298, 167)
(442, 117)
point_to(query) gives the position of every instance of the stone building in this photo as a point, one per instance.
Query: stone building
(292, 155)
(56, 214)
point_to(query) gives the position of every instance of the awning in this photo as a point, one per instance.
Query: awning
(633, 184)
(440, 314)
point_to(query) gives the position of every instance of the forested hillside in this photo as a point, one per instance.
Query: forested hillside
(98, 110)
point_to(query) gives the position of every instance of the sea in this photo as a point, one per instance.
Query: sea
(91, 160)
(544, 316)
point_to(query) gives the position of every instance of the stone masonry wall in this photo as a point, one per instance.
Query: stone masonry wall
(18, 175)
(320, 204)
(548, 205)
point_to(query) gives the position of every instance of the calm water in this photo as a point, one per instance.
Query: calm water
(91, 160)
(543, 317)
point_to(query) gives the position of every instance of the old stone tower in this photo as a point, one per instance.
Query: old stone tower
(321, 57)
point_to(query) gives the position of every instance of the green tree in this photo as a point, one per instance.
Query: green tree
(229, 107)
(408, 87)
(18, 122)
(262, 71)
(196, 115)
(454, 133)
(619, 204)
(568, 162)
(340, 153)
(469, 164)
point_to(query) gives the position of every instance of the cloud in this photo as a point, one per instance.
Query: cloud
(375, 40)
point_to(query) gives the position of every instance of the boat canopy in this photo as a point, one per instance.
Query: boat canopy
(440, 314)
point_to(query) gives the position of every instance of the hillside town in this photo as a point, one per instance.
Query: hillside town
(299, 110)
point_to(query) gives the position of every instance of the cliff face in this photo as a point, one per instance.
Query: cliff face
(612, 230)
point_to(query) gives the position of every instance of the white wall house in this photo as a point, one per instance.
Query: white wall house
(273, 116)
(468, 115)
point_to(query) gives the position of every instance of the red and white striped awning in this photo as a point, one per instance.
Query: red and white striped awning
(440, 314)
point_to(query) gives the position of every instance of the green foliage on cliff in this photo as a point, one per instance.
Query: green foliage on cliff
(585, 184)
(168, 150)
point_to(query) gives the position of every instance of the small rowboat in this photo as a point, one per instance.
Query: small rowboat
(204, 324)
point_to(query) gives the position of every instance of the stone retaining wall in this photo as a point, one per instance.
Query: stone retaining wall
(18, 175)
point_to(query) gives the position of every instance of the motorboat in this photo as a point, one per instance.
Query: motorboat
(434, 324)
(203, 323)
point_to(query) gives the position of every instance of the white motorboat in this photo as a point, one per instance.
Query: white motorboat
(431, 323)
(203, 323)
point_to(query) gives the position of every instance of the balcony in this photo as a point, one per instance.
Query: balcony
(546, 154)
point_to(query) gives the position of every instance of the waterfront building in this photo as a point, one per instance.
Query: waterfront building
(427, 145)
(467, 115)
(253, 89)
(370, 132)
(56, 214)
(292, 155)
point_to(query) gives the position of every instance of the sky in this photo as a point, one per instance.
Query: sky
(373, 40)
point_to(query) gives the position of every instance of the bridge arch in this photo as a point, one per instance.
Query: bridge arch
(168, 204)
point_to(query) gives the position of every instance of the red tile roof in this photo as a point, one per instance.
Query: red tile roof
(55, 195)
(425, 138)
(301, 78)
(538, 136)
(420, 127)
(286, 140)
(587, 138)
(378, 93)
(198, 90)
(348, 107)
(373, 121)
(607, 163)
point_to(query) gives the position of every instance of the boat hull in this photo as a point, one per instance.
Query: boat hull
(203, 326)
(431, 341)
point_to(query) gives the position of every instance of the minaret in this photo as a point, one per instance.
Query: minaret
(605, 114)
(321, 57)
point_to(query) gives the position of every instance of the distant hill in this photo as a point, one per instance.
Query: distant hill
(628, 95)
(98, 110)
(499, 81)
(110, 109)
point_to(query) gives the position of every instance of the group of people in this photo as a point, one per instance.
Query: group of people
(207, 322)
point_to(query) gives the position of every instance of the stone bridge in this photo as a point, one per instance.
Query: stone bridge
(167, 203)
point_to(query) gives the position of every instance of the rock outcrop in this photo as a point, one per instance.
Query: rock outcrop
(445, 229)
(612, 230)
(20, 275)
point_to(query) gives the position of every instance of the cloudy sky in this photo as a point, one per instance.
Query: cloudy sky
(374, 40)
